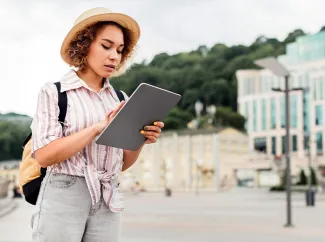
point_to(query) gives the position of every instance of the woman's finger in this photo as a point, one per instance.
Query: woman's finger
(108, 115)
(115, 111)
(152, 128)
(150, 133)
(151, 139)
(159, 124)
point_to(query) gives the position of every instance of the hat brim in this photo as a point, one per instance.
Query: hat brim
(124, 20)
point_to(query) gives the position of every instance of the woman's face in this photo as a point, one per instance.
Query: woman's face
(105, 52)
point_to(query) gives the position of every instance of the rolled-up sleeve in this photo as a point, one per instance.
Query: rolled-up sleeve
(45, 126)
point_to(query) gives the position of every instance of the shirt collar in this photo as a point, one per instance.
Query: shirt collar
(72, 81)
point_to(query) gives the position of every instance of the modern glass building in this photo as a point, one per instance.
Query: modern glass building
(305, 49)
(264, 109)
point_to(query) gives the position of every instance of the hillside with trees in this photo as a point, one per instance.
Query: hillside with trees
(14, 128)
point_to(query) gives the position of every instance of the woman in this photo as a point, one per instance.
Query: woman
(80, 199)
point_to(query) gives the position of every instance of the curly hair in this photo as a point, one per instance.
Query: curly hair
(79, 46)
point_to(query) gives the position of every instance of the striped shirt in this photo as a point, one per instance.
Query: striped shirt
(99, 164)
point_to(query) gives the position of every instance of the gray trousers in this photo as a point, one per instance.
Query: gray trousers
(65, 213)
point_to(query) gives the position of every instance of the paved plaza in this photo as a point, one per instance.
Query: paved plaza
(240, 215)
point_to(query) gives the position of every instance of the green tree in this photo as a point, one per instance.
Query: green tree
(189, 98)
(302, 178)
(313, 177)
(225, 117)
(12, 135)
(177, 119)
(216, 92)
(159, 60)
(293, 35)
(219, 51)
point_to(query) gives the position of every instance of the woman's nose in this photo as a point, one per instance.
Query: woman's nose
(113, 55)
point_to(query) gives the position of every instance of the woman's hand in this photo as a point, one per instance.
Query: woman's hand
(109, 117)
(152, 132)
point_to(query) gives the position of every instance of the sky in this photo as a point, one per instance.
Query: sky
(31, 33)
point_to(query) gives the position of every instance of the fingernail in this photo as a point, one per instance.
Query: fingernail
(146, 128)
(155, 123)
(142, 132)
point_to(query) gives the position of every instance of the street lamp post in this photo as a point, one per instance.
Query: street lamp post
(278, 69)
(288, 175)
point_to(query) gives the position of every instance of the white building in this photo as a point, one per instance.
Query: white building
(264, 109)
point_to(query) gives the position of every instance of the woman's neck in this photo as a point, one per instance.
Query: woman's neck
(93, 81)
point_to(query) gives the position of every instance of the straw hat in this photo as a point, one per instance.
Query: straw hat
(96, 15)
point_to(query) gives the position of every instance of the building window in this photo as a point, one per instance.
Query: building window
(249, 86)
(245, 87)
(261, 84)
(276, 82)
(283, 144)
(263, 111)
(246, 117)
(318, 89)
(319, 142)
(291, 82)
(315, 91)
(307, 80)
(306, 112)
(282, 109)
(294, 143)
(274, 145)
(260, 144)
(321, 88)
(272, 81)
(319, 115)
(280, 82)
(267, 84)
(293, 111)
(300, 81)
(273, 113)
(306, 142)
(252, 81)
(254, 116)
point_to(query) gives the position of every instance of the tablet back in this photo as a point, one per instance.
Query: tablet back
(146, 105)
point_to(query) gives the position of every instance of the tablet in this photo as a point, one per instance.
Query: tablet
(146, 105)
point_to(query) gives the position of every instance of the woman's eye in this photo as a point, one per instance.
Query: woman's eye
(105, 47)
(120, 51)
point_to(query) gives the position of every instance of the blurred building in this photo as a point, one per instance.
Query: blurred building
(199, 159)
(9, 170)
(264, 109)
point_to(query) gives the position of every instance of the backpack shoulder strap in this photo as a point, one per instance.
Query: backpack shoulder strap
(120, 95)
(63, 102)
